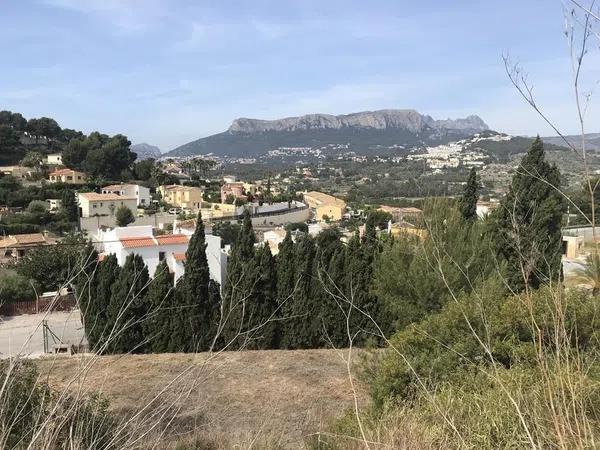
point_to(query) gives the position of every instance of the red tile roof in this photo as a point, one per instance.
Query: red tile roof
(179, 256)
(170, 239)
(137, 242)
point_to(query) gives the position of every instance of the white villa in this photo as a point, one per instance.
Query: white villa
(141, 193)
(123, 241)
(93, 204)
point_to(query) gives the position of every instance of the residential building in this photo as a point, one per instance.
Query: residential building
(16, 171)
(399, 214)
(17, 245)
(54, 204)
(188, 197)
(236, 189)
(325, 207)
(94, 204)
(123, 241)
(53, 159)
(141, 193)
(68, 176)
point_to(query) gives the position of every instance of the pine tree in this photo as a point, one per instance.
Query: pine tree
(189, 327)
(127, 308)
(468, 201)
(528, 222)
(98, 323)
(159, 305)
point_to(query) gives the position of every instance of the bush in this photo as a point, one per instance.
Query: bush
(15, 287)
(124, 216)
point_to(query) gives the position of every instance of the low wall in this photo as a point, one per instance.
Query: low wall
(63, 303)
(91, 224)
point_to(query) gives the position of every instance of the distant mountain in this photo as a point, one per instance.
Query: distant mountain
(146, 151)
(369, 132)
(592, 141)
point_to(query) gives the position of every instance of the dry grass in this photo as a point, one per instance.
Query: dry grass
(286, 394)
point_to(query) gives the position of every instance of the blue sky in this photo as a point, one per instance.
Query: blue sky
(167, 72)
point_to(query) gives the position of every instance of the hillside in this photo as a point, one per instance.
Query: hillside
(369, 132)
(592, 141)
(236, 395)
(146, 151)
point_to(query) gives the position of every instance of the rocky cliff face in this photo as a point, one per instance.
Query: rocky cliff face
(406, 119)
(146, 151)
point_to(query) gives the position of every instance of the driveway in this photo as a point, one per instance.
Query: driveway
(23, 335)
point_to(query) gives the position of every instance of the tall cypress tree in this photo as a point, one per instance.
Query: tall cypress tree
(332, 273)
(98, 321)
(359, 276)
(528, 222)
(264, 311)
(189, 327)
(127, 309)
(242, 275)
(69, 205)
(302, 328)
(159, 305)
(468, 201)
(86, 282)
(286, 269)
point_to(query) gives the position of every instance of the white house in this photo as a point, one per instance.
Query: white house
(123, 241)
(93, 204)
(54, 159)
(141, 193)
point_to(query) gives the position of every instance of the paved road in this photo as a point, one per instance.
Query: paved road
(23, 335)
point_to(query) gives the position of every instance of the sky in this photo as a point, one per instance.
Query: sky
(167, 72)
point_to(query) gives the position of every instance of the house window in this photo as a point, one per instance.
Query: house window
(69, 177)
(94, 205)
(161, 256)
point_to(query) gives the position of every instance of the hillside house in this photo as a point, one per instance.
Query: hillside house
(325, 206)
(188, 197)
(17, 245)
(141, 193)
(123, 241)
(53, 159)
(93, 204)
(236, 189)
(67, 176)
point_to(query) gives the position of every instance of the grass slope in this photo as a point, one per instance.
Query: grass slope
(289, 394)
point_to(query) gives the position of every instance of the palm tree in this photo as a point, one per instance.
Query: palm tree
(590, 273)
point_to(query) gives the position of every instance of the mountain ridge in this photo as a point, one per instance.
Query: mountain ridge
(366, 131)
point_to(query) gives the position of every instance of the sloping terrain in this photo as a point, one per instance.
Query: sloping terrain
(286, 393)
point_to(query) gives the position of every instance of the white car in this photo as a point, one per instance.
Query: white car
(174, 211)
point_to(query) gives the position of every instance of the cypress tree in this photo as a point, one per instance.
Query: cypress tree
(468, 201)
(85, 285)
(98, 322)
(528, 222)
(159, 305)
(242, 275)
(69, 205)
(189, 327)
(286, 270)
(264, 312)
(127, 309)
(301, 313)
(333, 306)
(359, 276)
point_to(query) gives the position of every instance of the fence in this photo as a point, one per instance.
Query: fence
(62, 303)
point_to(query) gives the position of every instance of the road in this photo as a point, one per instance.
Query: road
(23, 335)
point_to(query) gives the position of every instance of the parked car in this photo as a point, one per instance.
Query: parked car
(174, 211)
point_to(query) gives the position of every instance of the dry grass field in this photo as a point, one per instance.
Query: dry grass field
(283, 395)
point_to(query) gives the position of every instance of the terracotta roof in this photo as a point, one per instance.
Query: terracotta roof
(137, 242)
(60, 172)
(179, 256)
(116, 187)
(101, 257)
(169, 239)
(94, 196)
(23, 239)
